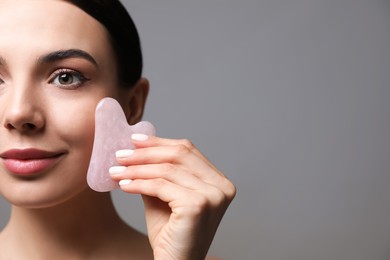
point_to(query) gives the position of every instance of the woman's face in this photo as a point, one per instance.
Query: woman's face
(56, 63)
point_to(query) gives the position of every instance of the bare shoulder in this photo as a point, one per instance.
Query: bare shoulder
(213, 258)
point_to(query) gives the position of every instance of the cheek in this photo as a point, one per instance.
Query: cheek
(75, 128)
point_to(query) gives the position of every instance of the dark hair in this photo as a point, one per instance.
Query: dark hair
(124, 36)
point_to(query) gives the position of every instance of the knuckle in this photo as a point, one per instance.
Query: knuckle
(230, 190)
(158, 183)
(187, 143)
(223, 194)
(218, 198)
(181, 149)
(198, 205)
(166, 168)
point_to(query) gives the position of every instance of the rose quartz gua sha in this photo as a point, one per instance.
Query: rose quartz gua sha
(112, 133)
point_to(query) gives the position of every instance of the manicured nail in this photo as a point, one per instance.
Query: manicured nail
(124, 153)
(139, 137)
(124, 182)
(117, 169)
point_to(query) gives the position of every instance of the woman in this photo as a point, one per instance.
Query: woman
(57, 60)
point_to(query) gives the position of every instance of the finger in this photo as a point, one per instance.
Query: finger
(174, 174)
(167, 171)
(182, 148)
(182, 151)
(182, 201)
(178, 154)
(158, 188)
(143, 141)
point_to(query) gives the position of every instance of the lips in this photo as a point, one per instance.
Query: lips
(29, 161)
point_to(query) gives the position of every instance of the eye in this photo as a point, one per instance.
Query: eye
(66, 78)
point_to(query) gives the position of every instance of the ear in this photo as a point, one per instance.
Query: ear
(135, 100)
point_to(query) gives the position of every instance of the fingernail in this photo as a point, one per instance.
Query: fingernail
(124, 182)
(117, 169)
(139, 137)
(124, 153)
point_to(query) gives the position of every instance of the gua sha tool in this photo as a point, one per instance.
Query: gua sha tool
(112, 133)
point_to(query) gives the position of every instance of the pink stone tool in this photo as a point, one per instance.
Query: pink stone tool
(112, 133)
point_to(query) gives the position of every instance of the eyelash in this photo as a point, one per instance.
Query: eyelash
(76, 76)
(1, 79)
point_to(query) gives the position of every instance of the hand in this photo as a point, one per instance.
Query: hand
(185, 196)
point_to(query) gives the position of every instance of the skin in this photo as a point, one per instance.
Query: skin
(48, 103)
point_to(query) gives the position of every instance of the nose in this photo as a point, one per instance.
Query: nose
(23, 112)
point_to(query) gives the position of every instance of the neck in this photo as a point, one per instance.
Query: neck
(67, 226)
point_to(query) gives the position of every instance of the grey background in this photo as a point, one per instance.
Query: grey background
(289, 98)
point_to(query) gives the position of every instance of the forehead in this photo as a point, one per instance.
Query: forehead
(44, 25)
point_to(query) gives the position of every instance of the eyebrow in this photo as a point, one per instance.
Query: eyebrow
(66, 54)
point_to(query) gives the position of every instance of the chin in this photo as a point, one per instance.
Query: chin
(33, 195)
